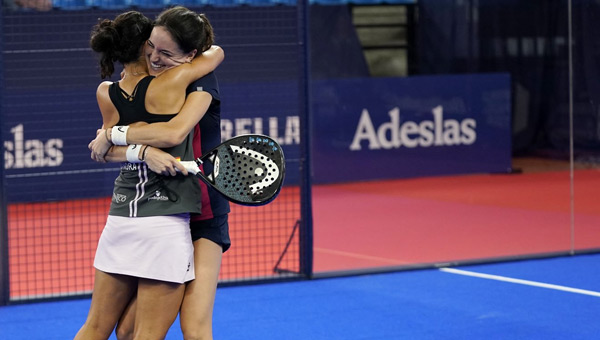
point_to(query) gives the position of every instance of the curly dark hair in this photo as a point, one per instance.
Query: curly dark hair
(119, 40)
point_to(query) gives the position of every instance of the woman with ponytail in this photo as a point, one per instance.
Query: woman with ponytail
(179, 31)
(145, 250)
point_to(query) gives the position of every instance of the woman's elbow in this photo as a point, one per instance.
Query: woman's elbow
(219, 52)
(173, 138)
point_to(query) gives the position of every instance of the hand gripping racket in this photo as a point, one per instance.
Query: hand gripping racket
(247, 169)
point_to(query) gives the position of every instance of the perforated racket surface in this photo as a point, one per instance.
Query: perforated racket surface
(247, 169)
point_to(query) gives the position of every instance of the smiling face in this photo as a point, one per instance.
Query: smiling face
(163, 53)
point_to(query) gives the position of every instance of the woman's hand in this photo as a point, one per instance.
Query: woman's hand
(99, 146)
(163, 163)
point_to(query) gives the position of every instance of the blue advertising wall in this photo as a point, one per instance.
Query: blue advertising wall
(50, 76)
(47, 159)
(368, 129)
(363, 128)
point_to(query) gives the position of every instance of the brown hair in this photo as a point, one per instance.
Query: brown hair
(189, 29)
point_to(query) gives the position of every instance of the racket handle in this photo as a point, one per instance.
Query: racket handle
(191, 166)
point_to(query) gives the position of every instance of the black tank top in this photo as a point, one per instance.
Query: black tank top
(133, 108)
(139, 192)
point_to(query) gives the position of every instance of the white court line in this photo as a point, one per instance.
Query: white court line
(522, 282)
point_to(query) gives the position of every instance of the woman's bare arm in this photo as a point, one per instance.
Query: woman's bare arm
(161, 135)
(157, 160)
(173, 132)
(169, 133)
(110, 115)
(200, 66)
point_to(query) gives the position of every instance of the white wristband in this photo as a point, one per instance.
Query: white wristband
(132, 154)
(119, 135)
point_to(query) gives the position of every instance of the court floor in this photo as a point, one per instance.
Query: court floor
(404, 222)
(363, 226)
(554, 298)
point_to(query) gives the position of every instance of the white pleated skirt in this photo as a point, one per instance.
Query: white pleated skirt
(157, 247)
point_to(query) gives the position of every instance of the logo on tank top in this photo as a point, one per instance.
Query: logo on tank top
(129, 166)
(119, 198)
(158, 196)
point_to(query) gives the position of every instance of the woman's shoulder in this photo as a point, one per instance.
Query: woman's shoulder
(103, 90)
(103, 86)
(146, 80)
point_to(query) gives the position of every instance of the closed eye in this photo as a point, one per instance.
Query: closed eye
(166, 53)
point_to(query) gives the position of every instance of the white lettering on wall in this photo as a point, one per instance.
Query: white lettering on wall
(289, 125)
(20, 153)
(409, 134)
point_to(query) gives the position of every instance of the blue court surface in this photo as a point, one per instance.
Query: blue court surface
(556, 298)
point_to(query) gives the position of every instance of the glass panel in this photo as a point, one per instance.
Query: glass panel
(454, 152)
(586, 125)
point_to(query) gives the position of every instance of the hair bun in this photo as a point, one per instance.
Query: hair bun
(104, 36)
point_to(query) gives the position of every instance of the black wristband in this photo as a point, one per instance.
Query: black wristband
(107, 136)
(144, 153)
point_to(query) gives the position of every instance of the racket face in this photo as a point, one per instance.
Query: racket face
(248, 169)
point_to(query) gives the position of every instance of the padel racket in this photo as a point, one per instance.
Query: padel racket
(247, 169)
